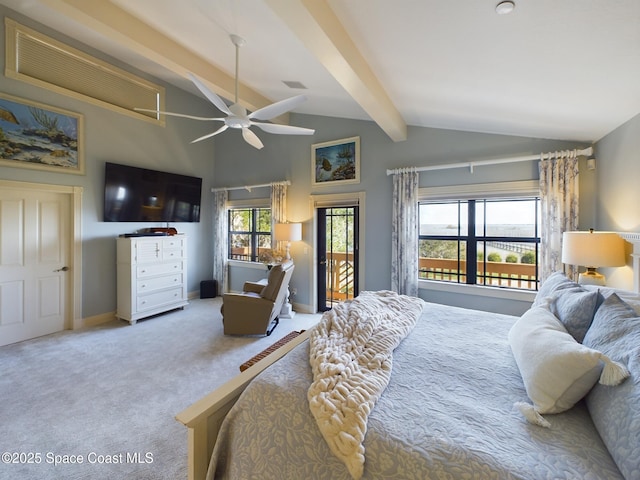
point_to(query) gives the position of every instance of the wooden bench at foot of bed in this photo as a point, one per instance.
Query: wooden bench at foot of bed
(204, 418)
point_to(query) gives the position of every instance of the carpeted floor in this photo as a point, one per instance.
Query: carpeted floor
(107, 396)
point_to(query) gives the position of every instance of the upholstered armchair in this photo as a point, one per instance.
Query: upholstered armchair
(255, 310)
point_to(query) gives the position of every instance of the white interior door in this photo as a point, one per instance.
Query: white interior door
(34, 263)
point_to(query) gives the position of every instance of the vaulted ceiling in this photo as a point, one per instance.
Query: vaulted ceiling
(565, 69)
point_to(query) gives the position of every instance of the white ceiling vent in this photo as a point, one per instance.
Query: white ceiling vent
(35, 58)
(294, 84)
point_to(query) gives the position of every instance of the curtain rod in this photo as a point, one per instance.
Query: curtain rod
(543, 156)
(249, 187)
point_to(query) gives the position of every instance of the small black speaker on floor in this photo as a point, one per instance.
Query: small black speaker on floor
(208, 288)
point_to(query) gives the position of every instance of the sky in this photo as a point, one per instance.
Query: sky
(499, 213)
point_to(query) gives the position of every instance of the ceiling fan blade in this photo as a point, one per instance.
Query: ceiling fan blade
(283, 129)
(251, 138)
(213, 98)
(278, 108)
(183, 115)
(209, 135)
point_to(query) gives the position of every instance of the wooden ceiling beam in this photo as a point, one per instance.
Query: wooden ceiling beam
(320, 30)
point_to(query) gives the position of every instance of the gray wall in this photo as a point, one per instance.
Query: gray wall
(617, 202)
(617, 175)
(289, 157)
(119, 138)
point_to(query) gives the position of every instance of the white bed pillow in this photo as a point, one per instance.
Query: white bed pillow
(557, 371)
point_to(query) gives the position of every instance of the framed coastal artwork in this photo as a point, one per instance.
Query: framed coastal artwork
(34, 135)
(336, 162)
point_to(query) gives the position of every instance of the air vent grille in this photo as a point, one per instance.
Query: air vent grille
(51, 64)
(294, 84)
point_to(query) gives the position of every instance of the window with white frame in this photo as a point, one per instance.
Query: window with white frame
(249, 233)
(501, 233)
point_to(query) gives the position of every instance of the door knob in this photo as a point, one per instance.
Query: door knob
(63, 269)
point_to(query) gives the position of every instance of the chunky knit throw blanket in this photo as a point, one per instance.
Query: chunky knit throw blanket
(351, 357)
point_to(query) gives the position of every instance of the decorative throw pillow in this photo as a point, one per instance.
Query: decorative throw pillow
(573, 305)
(557, 371)
(554, 282)
(616, 332)
(575, 308)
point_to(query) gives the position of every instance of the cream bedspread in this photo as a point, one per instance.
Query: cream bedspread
(351, 356)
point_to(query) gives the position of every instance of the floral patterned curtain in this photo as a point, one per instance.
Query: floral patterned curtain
(559, 210)
(220, 239)
(404, 233)
(278, 210)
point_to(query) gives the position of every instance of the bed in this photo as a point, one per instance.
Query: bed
(454, 406)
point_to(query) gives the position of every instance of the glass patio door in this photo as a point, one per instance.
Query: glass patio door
(337, 255)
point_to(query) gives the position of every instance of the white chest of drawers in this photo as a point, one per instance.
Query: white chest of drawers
(151, 276)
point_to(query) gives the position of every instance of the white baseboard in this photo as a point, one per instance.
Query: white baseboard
(107, 317)
(94, 320)
(302, 308)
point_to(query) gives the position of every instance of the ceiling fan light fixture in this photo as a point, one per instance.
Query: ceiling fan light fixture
(237, 116)
(506, 7)
(237, 122)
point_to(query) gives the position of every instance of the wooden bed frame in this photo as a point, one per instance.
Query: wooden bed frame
(204, 418)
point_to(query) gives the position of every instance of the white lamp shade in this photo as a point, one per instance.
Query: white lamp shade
(593, 249)
(288, 232)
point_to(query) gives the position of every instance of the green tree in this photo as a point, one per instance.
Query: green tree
(264, 220)
(447, 249)
(340, 230)
(511, 258)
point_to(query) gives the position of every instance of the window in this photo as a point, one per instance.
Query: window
(502, 235)
(249, 233)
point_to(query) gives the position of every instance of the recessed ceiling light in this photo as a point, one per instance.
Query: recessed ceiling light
(504, 8)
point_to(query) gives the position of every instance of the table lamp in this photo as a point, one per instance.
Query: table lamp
(592, 250)
(288, 232)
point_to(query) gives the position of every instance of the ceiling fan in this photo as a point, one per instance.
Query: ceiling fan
(237, 115)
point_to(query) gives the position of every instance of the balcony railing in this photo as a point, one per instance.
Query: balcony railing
(340, 272)
(501, 274)
(244, 253)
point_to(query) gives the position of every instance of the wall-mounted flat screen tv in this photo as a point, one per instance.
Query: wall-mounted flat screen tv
(133, 194)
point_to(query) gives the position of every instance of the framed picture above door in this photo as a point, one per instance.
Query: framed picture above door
(34, 135)
(336, 162)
